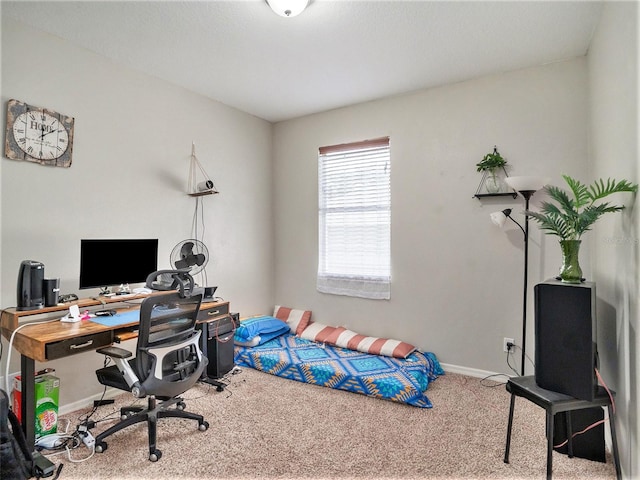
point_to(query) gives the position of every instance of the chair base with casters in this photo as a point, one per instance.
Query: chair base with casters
(155, 409)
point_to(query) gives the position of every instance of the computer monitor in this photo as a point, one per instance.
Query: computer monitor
(110, 262)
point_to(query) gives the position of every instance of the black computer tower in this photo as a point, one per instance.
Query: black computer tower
(566, 343)
(218, 345)
(590, 444)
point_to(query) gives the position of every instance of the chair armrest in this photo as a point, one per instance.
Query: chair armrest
(118, 355)
(115, 352)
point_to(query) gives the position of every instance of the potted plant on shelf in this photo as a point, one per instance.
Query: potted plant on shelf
(490, 164)
(574, 214)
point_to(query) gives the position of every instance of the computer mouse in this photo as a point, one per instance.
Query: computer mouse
(105, 313)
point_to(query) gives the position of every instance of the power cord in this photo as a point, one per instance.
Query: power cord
(512, 346)
(13, 335)
(599, 422)
(57, 444)
(86, 420)
(496, 383)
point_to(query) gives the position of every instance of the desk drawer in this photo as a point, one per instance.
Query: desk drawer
(65, 348)
(213, 312)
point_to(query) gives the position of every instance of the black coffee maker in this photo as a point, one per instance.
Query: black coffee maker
(30, 285)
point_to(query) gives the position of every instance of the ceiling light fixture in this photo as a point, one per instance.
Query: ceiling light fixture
(288, 8)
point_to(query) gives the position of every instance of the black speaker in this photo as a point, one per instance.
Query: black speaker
(218, 346)
(30, 279)
(51, 287)
(566, 345)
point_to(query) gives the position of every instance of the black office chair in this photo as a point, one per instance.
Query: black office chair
(168, 363)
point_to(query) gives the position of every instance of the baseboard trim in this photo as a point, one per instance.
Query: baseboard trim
(471, 372)
(88, 401)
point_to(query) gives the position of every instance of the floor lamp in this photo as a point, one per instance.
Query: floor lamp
(525, 186)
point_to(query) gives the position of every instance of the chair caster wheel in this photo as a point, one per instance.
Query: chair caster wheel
(101, 447)
(219, 389)
(155, 456)
(181, 405)
(124, 414)
(203, 426)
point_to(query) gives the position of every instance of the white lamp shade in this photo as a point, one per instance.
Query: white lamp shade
(288, 8)
(498, 218)
(526, 184)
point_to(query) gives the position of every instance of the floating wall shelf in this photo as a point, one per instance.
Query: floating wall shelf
(195, 188)
(485, 195)
(200, 194)
(483, 180)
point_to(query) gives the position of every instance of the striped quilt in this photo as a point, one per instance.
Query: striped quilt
(292, 357)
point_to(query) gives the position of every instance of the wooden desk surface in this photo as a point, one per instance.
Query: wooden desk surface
(33, 339)
(11, 317)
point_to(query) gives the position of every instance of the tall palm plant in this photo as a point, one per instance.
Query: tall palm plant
(574, 215)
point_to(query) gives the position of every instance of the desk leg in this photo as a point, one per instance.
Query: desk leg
(28, 373)
(509, 426)
(614, 441)
(42, 465)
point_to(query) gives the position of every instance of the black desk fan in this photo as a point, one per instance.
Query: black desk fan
(191, 254)
(188, 258)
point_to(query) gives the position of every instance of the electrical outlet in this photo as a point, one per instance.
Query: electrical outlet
(505, 348)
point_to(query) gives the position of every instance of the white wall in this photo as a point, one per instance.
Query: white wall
(613, 81)
(456, 279)
(128, 179)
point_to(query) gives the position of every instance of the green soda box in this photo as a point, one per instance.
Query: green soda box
(47, 397)
(47, 393)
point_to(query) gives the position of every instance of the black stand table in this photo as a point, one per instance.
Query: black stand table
(553, 403)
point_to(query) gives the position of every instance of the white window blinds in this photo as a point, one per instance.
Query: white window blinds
(355, 219)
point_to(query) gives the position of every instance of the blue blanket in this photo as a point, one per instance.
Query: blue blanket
(399, 380)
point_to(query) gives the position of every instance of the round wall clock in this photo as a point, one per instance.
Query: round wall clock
(38, 135)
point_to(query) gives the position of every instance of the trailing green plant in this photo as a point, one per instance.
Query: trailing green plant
(577, 211)
(491, 161)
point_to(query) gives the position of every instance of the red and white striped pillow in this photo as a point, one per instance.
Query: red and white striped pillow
(317, 332)
(344, 338)
(296, 319)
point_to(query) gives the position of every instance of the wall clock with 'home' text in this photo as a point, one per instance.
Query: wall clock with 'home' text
(38, 135)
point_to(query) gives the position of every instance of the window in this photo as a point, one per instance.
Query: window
(354, 214)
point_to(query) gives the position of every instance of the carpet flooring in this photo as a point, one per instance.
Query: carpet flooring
(265, 427)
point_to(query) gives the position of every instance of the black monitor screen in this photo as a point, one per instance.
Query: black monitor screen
(105, 263)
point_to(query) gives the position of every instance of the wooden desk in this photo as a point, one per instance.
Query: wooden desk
(48, 341)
